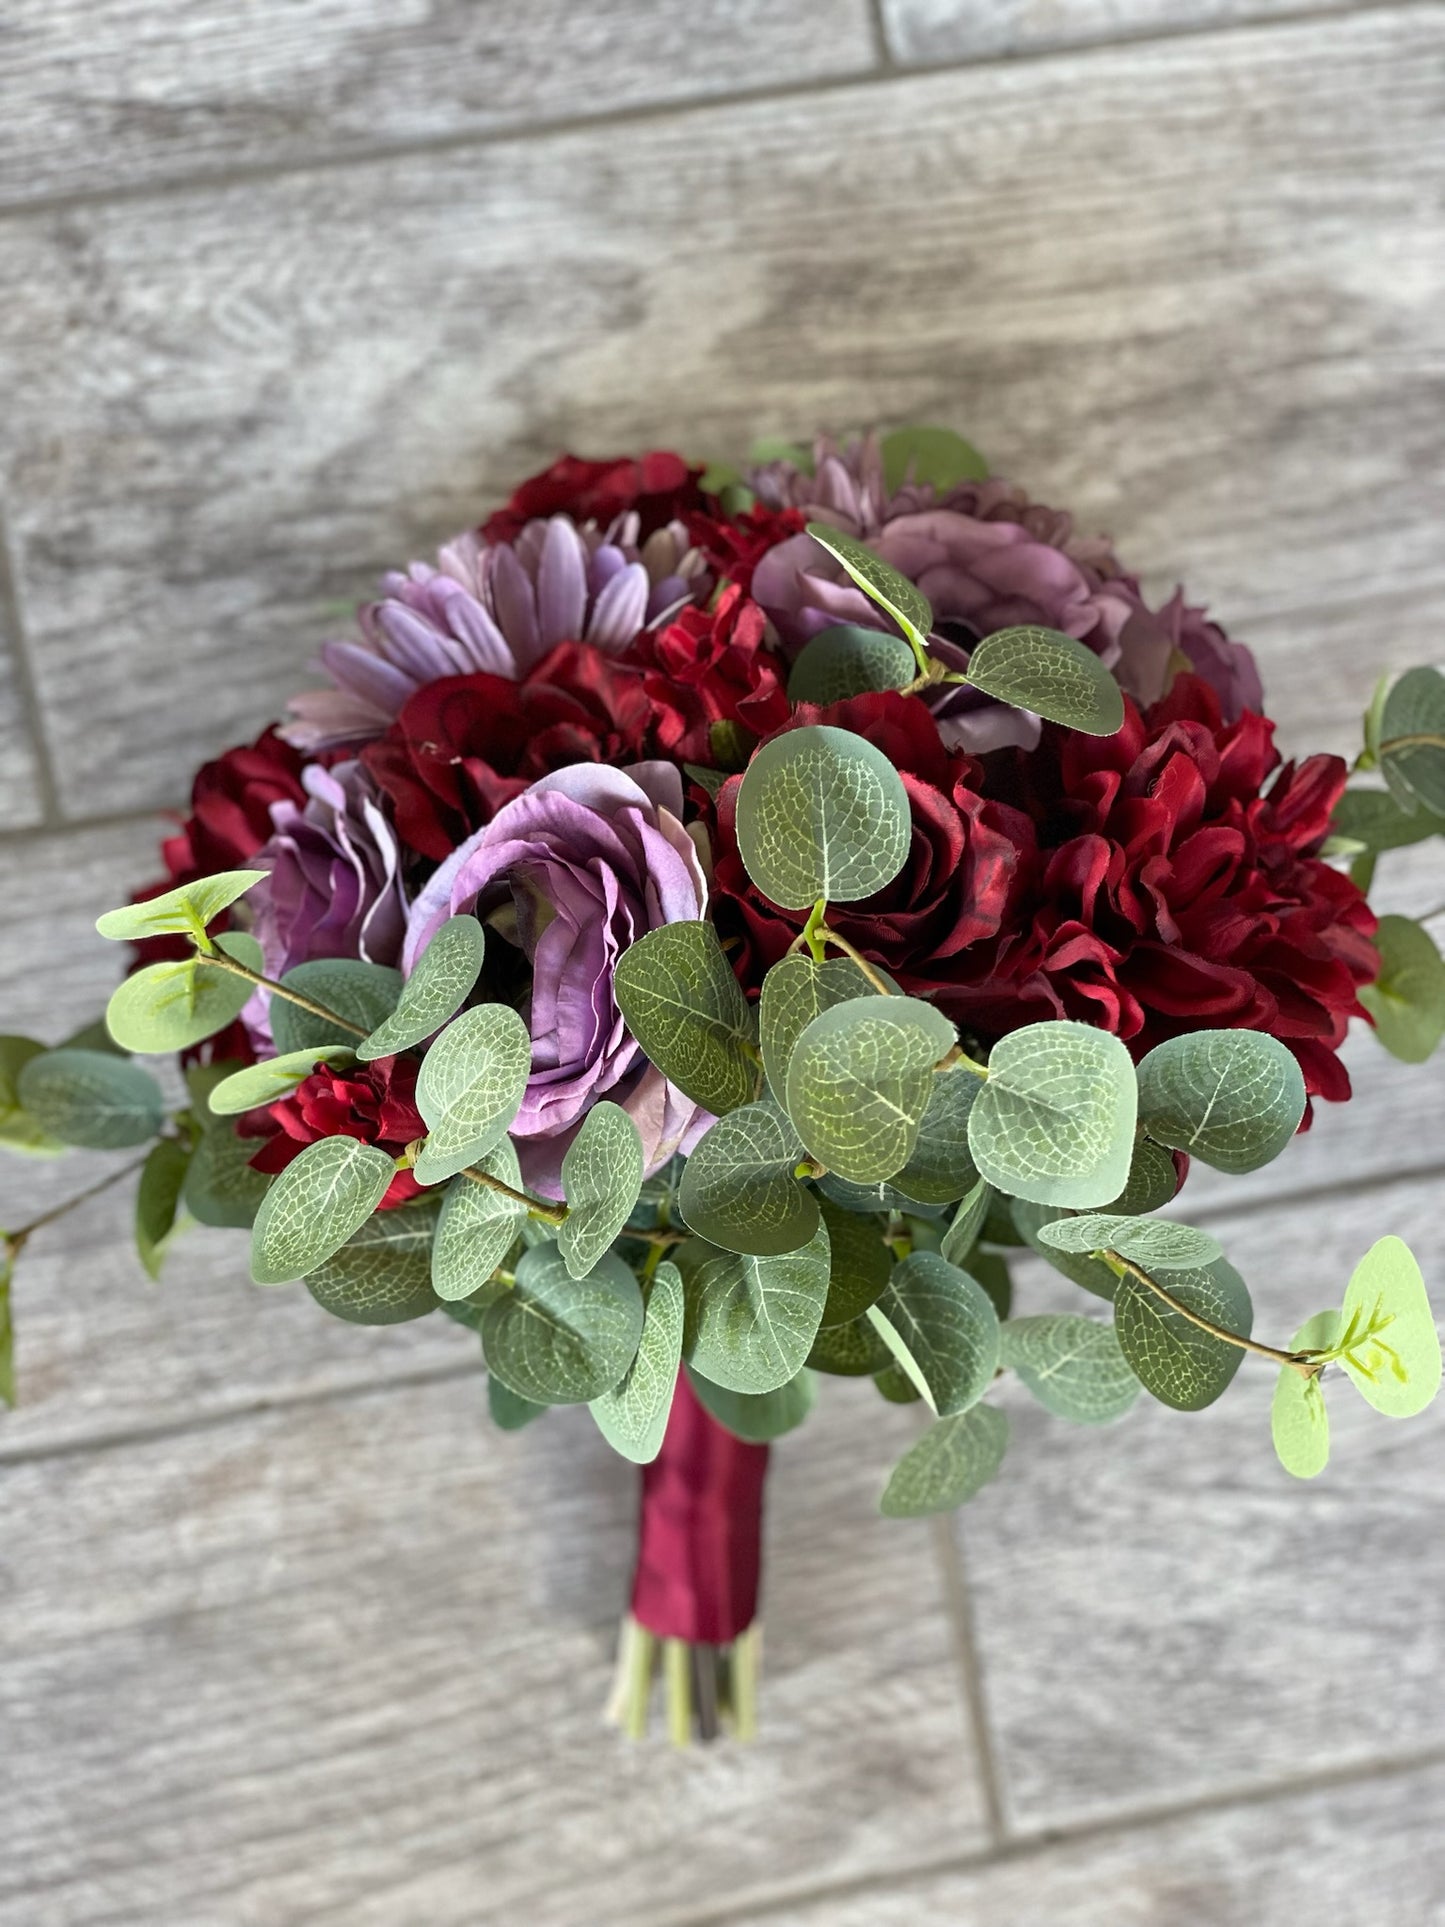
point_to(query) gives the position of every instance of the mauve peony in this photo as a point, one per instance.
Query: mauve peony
(576, 869)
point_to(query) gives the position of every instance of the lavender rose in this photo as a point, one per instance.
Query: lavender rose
(573, 871)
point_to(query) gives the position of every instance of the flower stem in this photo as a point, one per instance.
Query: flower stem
(15, 1239)
(223, 962)
(1307, 1364)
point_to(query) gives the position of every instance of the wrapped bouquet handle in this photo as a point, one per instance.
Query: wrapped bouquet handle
(704, 923)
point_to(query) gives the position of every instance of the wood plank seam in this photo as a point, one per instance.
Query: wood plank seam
(32, 714)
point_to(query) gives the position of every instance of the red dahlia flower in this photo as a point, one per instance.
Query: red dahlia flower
(659, 486)
(712, 666)
(375, 1103)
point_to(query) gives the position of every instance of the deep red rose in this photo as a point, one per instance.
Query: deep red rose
(712, 666)
(660, 486)
(464, 746)
(969, 860)
(374, 1102)
(231, 808)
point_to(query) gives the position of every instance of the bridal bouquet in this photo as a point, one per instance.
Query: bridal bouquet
(704, 921)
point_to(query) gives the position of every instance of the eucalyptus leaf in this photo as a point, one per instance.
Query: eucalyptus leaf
(859, 1263)
(172, 1006)
(477, 1227)
(560, 1340)
(990, 1270)
(683, 1004)
(1053, 675)
(738, 1189)
(1298, 1420)
(848, 661)
(757, 1418)
(968, 1221)
(509, 1411)
(91, 1099)
(894, 594)
(941, 1168)
(182, 912)
(1233, 1098)
(362, 993)
(382, 1274)
(601, 1179)
(443, 978)
(157, 1200)
(1154, 1243)
(850, 1351)
(1412, 741)
(866, 1198)
(1407, 999)
(860, 1079)
(1091, 1273)
(1374, 821)
(822, 813)
(897, 1387)
(752, 1321)
(932, 456)
(633, 1416)
(942, 1329)
(323, 1196)
(1178, 1363)
(1387, 1342)
(950, 1464)
(265, 1083)
(795, 991)
(221, 1186)
(470, 1087)
(18, 1130)
(1153, 1180)
(1055, 1121)
(1073, 1366)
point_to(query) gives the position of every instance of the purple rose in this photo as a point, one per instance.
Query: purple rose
(585, 862)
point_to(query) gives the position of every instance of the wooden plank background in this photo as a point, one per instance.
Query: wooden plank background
(287, 1634)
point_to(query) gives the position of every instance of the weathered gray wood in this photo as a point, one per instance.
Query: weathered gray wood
(1163, 1614)
(1369, 1854)
(123, 91)
(19, 792)
(922, 31)
(345, 1665)
(1240, 383)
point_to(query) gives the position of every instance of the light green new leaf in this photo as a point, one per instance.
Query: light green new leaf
(477, 1228)
(942, 1328)
(847, 661)
(860, 1079)
(1407, 999)
(1157, 1244)
(1091, 1273)
(362, 993)
(681, 1001)
(935, 456)
(850, 1351)
(941, 1168)
(315, 1205)
(1412, 741)
(859, 1263)
(953, 1461)
(1233, 1098)
(171, 1006)
(894, 594)
(752, 1321)
(822, 813)
(633, 1416)
(1298, 1420)
(968, 1221)
(445, 974)
(221, 1186)
(266, 1082)
(738, 1188)
(382, 1274)
(795, 991)
(509, 1411)
(1180, 1364)
(1053, 675)
(560, 1340)
(758, 1417)
(1387, 1342)
(601, 1180)
(91, 1099)
(1073, 1366)
(18, 1130)
(183, 912)
(157, 1199)
(470, 1087)
(1055, 1121)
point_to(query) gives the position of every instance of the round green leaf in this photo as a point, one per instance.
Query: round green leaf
(1412, 741)
(1073, 1366)
(1156, 1244)
(1180, 1364)
(752, 1321)
(1055, 1121)
(315, 1205)
(943, 1330)
(182, 912)
(1387, 1341)
(221, 1186)
(171, 1006)
(470, 1087)
(968, 1222)
(18, 1130)
(1233, 1098)
(601, 1179)
(1372, 820)
(822, 813)
(362, 993)
(847, 661)
(1407, 999)
(445, 975)
(757, 1418)
(509, 1412)
(91, 1099)
(633, 1416)
(266, 1082)
(477, 1227)
(941, 1168)
(954, 1460)
(157, 1200)
(860, 1079)
(1298, 1420)
(1053, 675)
(879, 581)
(681, 1001)
(849, 1351)
(859, 1263)
(795, 991)
(897, 1387)
(1153, 1181)
(1091, 1273)
(560, 1340)
(738, 1189)
(935, 456)
(382, 1274)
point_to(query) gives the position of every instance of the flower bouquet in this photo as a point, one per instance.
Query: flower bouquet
(704, 921)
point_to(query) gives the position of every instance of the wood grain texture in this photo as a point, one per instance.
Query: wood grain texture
(1364, 1855)
(346, 1665)
(1163, 1614)
(126, 91)
(923, 31)
(19, 785)
(235, 405)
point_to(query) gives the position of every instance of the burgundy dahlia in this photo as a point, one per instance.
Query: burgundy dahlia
(375, 1103)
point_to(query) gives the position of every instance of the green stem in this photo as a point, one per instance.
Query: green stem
(827, 936)
(223, 962)
(15, 1239)
(555, 1214)
(677, 1671)
(1307, 1364)
(812, 931)
(1416, 739)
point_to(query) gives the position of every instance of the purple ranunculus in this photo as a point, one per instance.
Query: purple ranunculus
(573, 871)
(987, 558)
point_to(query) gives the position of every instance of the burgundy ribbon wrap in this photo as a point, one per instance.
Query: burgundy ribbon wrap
(700, 1532)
